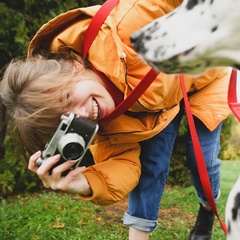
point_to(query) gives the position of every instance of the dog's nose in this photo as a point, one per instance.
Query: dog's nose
(136, 36)
(136, 40)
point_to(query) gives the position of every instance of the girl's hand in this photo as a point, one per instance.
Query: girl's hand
(73, 182)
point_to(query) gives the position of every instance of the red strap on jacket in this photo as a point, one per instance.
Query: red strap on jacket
(202, 169)
(89, 37)
(96, 24)
(133, 96)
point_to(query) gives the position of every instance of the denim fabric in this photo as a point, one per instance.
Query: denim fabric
(140, 223)
(144, 200)
(210, 144)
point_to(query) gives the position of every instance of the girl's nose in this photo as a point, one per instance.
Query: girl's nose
(81, 111)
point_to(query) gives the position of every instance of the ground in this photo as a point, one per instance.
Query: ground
(168, 214)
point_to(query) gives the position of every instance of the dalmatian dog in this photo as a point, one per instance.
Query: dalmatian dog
(197, 35)
(232, 213)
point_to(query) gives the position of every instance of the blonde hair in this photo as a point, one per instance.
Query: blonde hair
(35, 94)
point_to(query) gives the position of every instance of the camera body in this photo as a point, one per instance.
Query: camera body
(71, 140)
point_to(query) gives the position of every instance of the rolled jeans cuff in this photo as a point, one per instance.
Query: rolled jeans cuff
(206, 202)
(140, 223)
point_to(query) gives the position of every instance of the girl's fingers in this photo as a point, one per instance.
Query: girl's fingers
(55, 180)
(32, 161)
(63, 167)
(47, 164)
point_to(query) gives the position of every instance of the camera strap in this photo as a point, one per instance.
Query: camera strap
(96, 23)
(89, 37)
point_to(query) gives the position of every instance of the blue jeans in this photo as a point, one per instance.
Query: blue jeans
(144, 200)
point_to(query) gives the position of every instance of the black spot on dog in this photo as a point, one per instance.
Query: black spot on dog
(188, 51)
(208, 63)
(137, 43)
(214, 29)
(198, 65)
(159, 51)
(148, 37)
(136, 36)
(229, 226)
(237, 66)
(192, 3)
(236, 206)
(153, 28)
(164, 34)
(170, 15)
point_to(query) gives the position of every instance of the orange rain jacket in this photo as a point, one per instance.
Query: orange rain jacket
(116, 149)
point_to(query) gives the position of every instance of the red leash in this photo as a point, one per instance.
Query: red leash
(234, 93)
(202, 169)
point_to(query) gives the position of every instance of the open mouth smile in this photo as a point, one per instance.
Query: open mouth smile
(95, 110)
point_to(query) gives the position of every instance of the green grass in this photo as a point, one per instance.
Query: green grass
(54, 216)
(51, 215)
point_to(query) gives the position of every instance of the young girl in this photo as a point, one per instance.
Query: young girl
(131, 152)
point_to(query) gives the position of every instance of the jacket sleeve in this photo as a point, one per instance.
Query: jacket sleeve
(116, 172)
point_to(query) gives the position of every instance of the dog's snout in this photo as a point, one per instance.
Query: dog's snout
(136, 36)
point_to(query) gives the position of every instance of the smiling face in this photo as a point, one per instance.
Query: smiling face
(89, 97)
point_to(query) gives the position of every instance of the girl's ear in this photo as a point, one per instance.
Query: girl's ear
(79, 66)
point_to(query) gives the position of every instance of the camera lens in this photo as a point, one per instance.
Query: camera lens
(72, 151)
(71, 146)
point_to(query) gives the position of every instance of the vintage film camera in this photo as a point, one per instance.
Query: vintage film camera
(71, 139)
